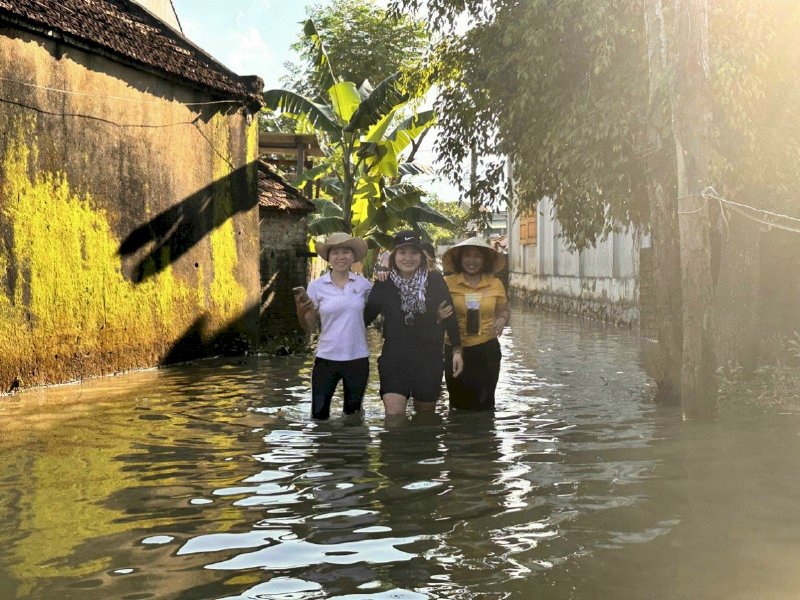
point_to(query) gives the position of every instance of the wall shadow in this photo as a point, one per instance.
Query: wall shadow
(236, 338)
(173, 232)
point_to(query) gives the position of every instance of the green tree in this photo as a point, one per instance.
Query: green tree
(459, 215)
(370, 139)
(362, 41)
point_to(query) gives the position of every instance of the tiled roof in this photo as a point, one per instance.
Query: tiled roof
(124, 31)
(275, 193)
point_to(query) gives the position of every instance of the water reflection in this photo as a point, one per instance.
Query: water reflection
(210, 481)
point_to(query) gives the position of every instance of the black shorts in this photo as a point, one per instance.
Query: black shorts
(420, 379)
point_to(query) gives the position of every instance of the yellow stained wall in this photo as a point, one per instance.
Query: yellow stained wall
(124, 158)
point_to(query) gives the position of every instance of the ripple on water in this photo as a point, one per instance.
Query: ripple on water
(576, 487)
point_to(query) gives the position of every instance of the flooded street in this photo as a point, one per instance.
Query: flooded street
(211, 481)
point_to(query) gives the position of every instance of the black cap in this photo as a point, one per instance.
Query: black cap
(406, 238)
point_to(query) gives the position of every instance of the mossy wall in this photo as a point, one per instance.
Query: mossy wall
(128, 217)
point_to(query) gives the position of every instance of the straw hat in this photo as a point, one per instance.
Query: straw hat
(342, 240)
(449, 258)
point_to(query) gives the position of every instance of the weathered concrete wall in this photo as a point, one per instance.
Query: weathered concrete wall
(128, 220)
(598, 283)
(602, 298)
(284, 265)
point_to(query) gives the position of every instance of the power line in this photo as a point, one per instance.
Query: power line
(122, 98)
(768, 219)
(711, 193)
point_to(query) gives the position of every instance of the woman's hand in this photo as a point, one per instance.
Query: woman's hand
(458, 363)
(303, 306)
(306, 313)
(499, 324)
(444, 311)
(381, 273)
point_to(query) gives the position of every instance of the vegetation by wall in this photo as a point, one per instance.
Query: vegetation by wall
(128, 218)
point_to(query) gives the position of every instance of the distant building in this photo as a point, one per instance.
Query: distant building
(495, 227)
(600, 282)
(164, 10)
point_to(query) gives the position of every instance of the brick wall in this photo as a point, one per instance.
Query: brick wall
(283, 266)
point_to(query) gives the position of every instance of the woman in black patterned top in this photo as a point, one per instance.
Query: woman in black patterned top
(412, 359)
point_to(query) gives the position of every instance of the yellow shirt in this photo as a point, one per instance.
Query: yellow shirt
(489, 294)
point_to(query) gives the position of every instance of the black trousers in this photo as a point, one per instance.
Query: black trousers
(325, 376)
(474, 388)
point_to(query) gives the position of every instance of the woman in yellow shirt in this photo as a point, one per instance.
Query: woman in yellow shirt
(481, 307)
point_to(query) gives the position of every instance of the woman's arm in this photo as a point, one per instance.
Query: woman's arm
(374, 303)
(451, 327)
(502, 312)
(450, 323)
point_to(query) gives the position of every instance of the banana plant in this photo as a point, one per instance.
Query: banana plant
(365, 134)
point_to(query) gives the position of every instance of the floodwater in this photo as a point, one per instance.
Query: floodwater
(211, 481)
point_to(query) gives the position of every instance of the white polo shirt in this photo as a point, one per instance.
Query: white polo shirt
(343, 335)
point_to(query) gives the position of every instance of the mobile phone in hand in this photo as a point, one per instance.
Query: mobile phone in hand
(300, 294)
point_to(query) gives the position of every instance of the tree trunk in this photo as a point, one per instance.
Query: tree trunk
(347, 203)
(667, 286)
(690, 125)
(663, 214)
(348, 185)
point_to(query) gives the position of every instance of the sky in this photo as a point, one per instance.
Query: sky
(253, 37)
(250, 37)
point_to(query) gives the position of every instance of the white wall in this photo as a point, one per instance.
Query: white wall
(601, 281)
(164, 10)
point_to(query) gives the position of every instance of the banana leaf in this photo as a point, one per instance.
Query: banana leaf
(327, 208)
(313, 174)
(326, 225)
(422, 213)
(384, 98)
(321, 60)
(413, 169)
(344, 99)
(293, 104)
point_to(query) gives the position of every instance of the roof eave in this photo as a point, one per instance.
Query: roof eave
(253, 101)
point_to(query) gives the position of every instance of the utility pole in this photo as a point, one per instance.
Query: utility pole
(666, 267)
(691, 125)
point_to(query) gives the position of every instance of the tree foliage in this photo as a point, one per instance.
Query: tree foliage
(459, 215)
(361, 41)
(563, 89)
(370, 137)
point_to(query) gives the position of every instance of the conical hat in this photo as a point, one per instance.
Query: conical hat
(448, 260)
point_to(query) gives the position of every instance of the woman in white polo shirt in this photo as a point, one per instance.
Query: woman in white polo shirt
(337, 298)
